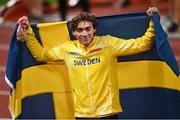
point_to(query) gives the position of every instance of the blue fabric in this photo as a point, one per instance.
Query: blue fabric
(150, 103)
(19, 57)
(163, 48)
(38, 107)
(134, 25)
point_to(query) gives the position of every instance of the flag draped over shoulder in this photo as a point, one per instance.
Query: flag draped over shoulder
(148, 82)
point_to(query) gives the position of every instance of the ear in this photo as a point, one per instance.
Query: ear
(94, 31)
(73, 33)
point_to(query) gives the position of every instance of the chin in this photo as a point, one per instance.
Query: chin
(86, 44)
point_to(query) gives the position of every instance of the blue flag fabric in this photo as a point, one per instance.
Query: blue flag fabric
(148, 82)
(128, 26)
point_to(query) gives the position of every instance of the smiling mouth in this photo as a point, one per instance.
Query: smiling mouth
(84, 39)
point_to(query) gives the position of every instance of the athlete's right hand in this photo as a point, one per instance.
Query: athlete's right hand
(23, 24)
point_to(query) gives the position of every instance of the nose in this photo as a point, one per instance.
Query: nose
(84, 33)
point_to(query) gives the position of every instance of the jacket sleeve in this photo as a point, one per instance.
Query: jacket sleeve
(39, 52)
(122, 47)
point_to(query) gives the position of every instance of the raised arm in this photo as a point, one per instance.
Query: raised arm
(121, 47)
(26, 33)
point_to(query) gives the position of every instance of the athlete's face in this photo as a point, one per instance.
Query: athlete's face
(85, 32)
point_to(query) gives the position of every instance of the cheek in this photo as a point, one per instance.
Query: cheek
(91, 34)
(76, 34)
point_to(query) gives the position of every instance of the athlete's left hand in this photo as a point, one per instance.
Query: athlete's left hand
(151, 10)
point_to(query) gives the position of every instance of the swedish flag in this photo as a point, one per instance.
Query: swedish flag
(148, 82)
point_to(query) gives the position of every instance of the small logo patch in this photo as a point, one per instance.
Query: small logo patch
(75, 53)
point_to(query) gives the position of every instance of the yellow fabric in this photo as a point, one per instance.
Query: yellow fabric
(138, 78)
(53, 34)
(49, 77)
(15, 100)
(46, 77)
(143, 74)
(93, 71)
(63, 104)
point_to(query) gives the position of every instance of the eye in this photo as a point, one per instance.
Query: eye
(88, 28)
(79, 30)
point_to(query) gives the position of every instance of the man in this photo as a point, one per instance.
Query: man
(91, 62)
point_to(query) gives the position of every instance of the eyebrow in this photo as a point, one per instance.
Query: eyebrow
(83, 27)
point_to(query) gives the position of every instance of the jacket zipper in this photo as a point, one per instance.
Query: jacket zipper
(110, 96)
(89, 89)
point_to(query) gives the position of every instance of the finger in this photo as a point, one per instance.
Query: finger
(149, 12)
(154, 9)
(22, 19)
(23, 23)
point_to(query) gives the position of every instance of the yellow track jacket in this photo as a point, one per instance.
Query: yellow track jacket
(93, 71)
